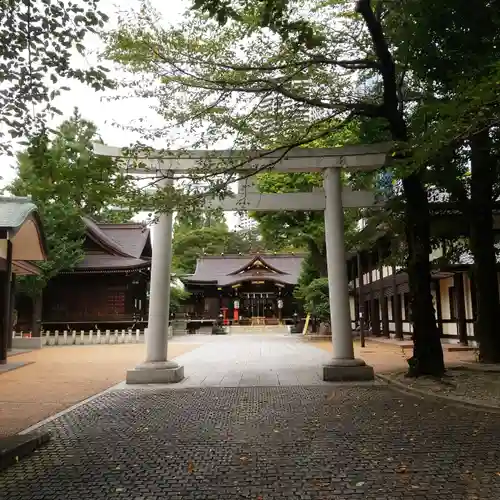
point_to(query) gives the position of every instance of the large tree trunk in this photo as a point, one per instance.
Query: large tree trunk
(482, 243)
(427, 350)
(318, 256)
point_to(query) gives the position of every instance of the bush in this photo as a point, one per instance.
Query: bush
(316, 299)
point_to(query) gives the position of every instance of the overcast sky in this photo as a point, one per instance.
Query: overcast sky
(93, 105)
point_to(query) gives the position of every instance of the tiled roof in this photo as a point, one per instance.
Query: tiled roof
(19, 217)
(95, 233)
(14, 210)
(124, 246)
(131, 237)
(219, 269)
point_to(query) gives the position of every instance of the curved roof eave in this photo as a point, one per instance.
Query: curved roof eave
(252, 261)
(99, 237)
(255, 278)
(28, 211)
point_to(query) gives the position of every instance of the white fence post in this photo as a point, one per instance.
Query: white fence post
(72, 337)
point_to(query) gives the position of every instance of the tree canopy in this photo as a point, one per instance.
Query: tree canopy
(200, 234)
(67, 181)
(37, 44)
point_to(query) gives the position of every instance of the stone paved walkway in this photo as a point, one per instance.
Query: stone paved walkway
(263, 443)
(277, 360)
(252, 360)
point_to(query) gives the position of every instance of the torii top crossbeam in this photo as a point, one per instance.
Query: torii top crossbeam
(356, 157)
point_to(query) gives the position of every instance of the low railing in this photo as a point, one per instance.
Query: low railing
(90, 337)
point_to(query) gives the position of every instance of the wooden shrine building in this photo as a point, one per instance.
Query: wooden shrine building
(22, 245)
(244, 289)
(108, 289)
(380, 292)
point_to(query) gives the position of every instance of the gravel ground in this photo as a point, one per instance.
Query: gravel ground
(468, 385)
(387, 358)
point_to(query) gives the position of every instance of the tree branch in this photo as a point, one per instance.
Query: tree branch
(387, 70)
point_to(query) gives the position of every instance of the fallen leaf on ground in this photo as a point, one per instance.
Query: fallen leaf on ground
(190, 467)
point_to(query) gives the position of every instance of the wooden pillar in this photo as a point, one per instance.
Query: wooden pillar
(473, 297)
(439, 308)
(383, 299)
(361, 302)
(374, 316)
(356, 308)
(12, 305)
(36, 318)
(352, 277)
(458, 281)
(5, 304)
(472, 286)
(396, 298)
(385, 316)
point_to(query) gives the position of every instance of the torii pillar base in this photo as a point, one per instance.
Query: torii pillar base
(162, 372)
(347, 370)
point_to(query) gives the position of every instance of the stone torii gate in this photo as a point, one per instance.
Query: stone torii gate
(332, 199)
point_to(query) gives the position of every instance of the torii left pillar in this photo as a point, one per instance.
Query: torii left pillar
(343, 365)
(157, 369)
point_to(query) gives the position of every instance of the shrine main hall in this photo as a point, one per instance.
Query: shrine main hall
(244, 289)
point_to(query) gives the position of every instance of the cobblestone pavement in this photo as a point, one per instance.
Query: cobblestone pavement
(261, 443)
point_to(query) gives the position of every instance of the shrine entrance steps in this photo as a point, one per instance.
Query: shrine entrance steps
(258, 330)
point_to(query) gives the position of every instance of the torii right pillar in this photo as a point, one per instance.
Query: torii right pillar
(343, 366)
